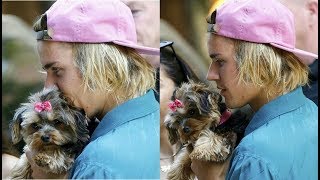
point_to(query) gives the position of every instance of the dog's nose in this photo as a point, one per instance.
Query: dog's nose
(186, 129)
(45, 138)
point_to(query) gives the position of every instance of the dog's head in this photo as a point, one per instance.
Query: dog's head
(194, 107)
(47, 121)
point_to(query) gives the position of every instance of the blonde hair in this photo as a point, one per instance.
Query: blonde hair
(113, 68)
(274, 69)
(110, 68)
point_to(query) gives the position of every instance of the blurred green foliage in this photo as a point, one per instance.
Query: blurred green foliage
(19, 74)
(13, 94)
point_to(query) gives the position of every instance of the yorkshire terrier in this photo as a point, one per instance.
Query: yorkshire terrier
(200, 120)
(54, 132)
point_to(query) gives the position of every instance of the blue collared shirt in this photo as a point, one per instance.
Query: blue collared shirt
(281, 141)
(125, 144)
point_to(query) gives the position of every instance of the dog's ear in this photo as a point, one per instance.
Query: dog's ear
(215, 98)
(15, 125)
(221, 104)
(80, 123)
(172, 128)
(205, 105)
(173, 135)
(173, 97)
(215, 102)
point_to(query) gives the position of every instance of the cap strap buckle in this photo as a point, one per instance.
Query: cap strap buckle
(43, 35)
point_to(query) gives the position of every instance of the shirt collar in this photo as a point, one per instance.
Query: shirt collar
(128, 111)
(276, 107)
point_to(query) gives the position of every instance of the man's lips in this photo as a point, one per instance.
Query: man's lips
(221, 88)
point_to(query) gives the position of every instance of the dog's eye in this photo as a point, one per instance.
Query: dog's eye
(192, 112)
(35, 126)
(57, 122)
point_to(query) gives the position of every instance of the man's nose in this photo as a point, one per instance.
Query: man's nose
(49, 82)
(213, 73)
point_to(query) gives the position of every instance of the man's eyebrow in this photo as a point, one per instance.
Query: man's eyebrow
(130, 4)
(214, 55)
(47, 66)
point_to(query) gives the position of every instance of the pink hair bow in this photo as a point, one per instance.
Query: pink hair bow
(173, 105)
(42, 106)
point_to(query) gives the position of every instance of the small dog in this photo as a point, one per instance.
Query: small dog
(201, 121)
(53, 131)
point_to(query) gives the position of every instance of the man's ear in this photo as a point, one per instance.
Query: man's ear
(312, 6)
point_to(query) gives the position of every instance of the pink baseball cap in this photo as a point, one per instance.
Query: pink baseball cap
(92, 21)
(259, 21)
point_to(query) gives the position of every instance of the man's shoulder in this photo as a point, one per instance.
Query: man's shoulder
(249, 165)
(138, 136)
(122, 147)
(89, 169)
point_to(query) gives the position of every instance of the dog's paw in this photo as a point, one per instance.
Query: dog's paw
(42, 160)
(180, 174)
(211, 147)
(181, 168)
(173, 174)
(22, 169)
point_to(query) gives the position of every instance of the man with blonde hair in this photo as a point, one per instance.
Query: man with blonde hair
(255, 61)
(89, 51)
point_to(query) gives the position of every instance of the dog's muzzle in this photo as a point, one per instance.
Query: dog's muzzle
(185, 129)
(45, 138)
